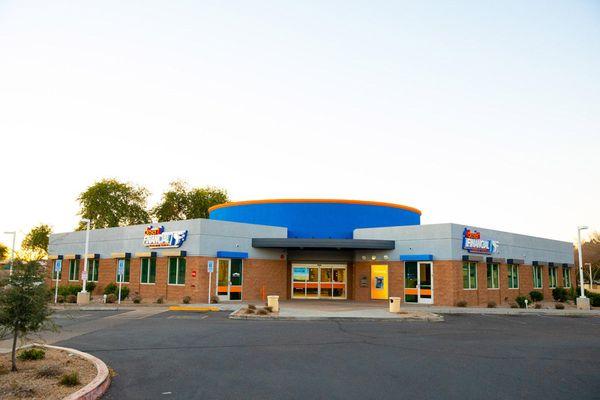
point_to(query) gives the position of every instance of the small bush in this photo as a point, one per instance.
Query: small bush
(137, 299)
(536, 296)
(160, 300)
(31, 354)
(537, 306)
(251, 307)
(49, 371)
(71, 298)
(71, 379)
(60, 298)
(571, 293)
(249, 311)
(594, 298)
(559, 306)
(262, 311)
(491, 304)
(187, 299)
(513, 305)
(111, 298)
(461, 303)
(113, 288)
(214, 299)
(268, 308)
(520, 300)
(559, 294)
(90, 286)
(69, 289)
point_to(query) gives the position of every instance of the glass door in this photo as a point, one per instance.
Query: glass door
(418, 282)
(425, 285)
(223, 279)
(229, 279)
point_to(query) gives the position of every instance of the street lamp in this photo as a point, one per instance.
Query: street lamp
(85, 264)
(12, 253)
(579, 229)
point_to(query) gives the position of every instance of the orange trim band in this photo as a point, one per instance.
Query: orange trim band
(340, 201)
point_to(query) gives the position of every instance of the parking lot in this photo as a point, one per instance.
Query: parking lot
(174, 355)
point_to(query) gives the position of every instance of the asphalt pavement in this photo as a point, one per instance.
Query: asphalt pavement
(192, 355)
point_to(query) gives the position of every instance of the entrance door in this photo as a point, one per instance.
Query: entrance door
(318, 281)
(229, 279)
(418, 282)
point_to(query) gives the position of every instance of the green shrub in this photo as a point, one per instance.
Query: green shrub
(90, 286)
(536, 296)
(559, 294)
(71, 298)
(187, 299)
(69, 289)
(594, 298)
(71, 379)
(31, 354)
(572, 293)
(137, 299)
(461, 303)
(559, 306)
(491, 304)
(60, 299)
(521, 301)
(111, 298)
(113, 288)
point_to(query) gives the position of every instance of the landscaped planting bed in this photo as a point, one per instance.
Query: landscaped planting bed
(40, 379)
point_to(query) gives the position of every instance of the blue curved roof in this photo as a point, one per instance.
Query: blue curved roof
(317, 218)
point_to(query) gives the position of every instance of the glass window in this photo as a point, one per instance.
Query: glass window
(537, 276)
(73, 270)
(148, 270)
(54, 271)
(566, 278)
(177, 271)
(92, 270)
(470, 275)
(552, 277)
(492, 276)
(513, 276)
(127, 270)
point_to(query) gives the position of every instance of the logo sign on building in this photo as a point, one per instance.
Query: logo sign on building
(57, 265)
(158, 238)
(473, 243)
(121, 267)
(211, 266)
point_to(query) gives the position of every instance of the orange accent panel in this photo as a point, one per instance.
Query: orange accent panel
(410, 291)
(299, 285)
(340, 201)
(312, 285)
(222, 289)
(235, 289)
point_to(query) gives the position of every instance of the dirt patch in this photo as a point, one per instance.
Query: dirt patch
(27, 384)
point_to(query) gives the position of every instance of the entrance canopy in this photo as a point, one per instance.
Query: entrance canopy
(353, 244)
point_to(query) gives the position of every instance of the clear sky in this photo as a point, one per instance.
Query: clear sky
(485, 113)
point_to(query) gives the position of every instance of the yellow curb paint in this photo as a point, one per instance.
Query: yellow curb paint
(197, 309)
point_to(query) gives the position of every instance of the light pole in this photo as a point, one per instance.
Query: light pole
(12, 253)
(579, 229)
(87, 242)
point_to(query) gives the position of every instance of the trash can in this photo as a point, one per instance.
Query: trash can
(395, 304)
(273, 301)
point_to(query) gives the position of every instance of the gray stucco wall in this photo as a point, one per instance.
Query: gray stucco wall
(444, 241)
(205, 238)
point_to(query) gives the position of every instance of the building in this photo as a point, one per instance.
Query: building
(316, 249)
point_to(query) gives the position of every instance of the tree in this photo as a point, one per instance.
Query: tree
(109, 203)
(24, 303)
(591, 254)
(3, 251)
(36, 241)
(179, 203)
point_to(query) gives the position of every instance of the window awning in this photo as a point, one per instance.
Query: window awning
(294, 243)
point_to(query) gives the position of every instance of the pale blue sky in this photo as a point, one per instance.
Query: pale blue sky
(483, 113)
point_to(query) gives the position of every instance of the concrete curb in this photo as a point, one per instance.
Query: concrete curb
(272, 317)
(513, 311)
(97, 387)
(193, 308)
